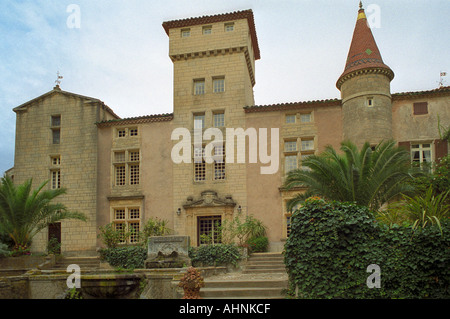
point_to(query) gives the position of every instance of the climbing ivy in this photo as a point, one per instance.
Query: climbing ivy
(331, 244)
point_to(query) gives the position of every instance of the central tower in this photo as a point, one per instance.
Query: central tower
(365, 89)
(214, 75)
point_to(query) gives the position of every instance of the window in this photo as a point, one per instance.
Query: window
(121, 132)
(134, 156)
(126, 163)
(420, 108)
(56, 179)
(304, 157)
(207, 29)
(56, 120)
(134, 174)
(127, 221)
(290, 118)
(199, 87)
(56, 136)
(185, 33)
(229, 27)
(133, 131)
(219, 162)
(307, 145)
(124, 132)
(120, 175)
(56, 129)
(369, 102)
(421, 154)
(219, 85)
(305, 118)
(219, 119)
(199, 121)
(199, 164)
(55, 160)
(290, 156)
(119, 157)
(290, 163)
(209, 229)
(200, 171)
(290, 146)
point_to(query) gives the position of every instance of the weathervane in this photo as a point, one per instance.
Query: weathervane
(441, 80)
(58, 78)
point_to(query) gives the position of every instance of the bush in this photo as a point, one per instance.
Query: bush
(110, 236)
(258, 244)
(215, 255)
(4, 251)
(331, 244)
(130, 257)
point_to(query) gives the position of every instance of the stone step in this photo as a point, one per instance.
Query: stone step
(83, 262)
(264, 271)
(265, 266)
(266, 283)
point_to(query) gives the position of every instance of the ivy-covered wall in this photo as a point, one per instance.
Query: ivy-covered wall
(331, 245)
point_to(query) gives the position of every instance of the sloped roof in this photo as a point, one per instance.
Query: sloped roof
(364, 53)
(292, 106)
(237, 15)
(57, 90)
(137, 120)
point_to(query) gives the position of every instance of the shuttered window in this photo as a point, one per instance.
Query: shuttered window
(420, 108)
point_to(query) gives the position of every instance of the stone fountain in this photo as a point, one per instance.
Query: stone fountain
(168, 252)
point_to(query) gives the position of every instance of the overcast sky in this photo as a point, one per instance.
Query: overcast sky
(118, 52)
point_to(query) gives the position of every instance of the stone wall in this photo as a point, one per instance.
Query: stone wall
(77, 164)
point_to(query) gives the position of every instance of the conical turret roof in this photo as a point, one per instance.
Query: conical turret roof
(364, 54)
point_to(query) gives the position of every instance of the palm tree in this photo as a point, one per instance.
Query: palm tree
(24, 213)
(367, 177)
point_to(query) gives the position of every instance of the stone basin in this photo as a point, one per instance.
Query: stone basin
(109, 286)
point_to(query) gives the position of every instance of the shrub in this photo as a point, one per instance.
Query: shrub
(258, 244)
(129, 257)
(4, 251)
(156, 227)
(242, 228)
(214, 255)
(110, 236)
(331, 244)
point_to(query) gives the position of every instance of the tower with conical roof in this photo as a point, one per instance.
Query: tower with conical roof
(365, 89)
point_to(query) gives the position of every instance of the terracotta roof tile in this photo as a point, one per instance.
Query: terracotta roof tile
(138, 120)
(364, 52)
(246, 14)
(292, 106)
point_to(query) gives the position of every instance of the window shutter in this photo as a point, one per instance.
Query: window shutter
(420, 108)
(440, 149)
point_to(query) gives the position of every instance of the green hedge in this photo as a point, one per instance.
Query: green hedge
(214, 255)
(331, 244)
(130, 257)
(258, 244)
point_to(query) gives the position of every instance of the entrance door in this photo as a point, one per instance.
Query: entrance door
(54, 231)
(208, 229)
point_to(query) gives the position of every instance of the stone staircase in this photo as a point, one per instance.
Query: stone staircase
(265, 263)
(264, 277)
(86, 263)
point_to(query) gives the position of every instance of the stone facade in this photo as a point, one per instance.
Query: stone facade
(121, 170)
(67, 158)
